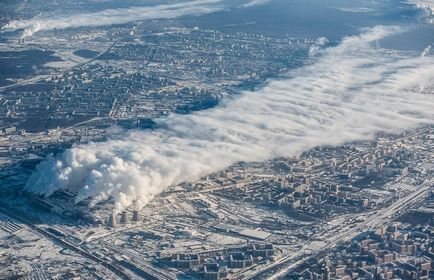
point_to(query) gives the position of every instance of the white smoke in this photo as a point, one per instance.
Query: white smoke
(122, 16)
(319, 43)
(253, 3)
(356, 10)
(115, 16)
(427, 51)
(351, 92)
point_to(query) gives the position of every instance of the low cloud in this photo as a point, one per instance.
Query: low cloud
(121, 16)
(350, 92)
(356, 10)
(427, 51)
(254, 3)
(427, 4)
(116, 16)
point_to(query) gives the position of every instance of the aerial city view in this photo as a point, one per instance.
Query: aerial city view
(216, 139)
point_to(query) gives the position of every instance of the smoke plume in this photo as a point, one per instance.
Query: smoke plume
(253, 3)
(350, 92)
(122, 16)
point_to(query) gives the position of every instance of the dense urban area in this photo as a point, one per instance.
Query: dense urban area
(360, 210)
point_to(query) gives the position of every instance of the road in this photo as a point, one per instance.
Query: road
(64, 244)
(285, 265)
(45, 77)
(137, 263)
(138, 266)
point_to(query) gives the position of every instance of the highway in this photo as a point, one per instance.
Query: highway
(285, 265)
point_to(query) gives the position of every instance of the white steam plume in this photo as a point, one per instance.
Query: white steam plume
(115, 16)
(427, 51)
(356, 10)
(121, 16)
(253, 3)
(351, 92)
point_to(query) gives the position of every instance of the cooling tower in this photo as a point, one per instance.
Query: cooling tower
(112, 221)
(136, 216)
(124, 218)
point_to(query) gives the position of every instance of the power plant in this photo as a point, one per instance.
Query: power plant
(136, 216)
(112, 221)
(124, 217)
